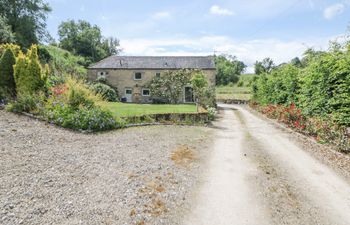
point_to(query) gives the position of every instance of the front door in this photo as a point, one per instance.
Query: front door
(189, 94)
(128, 94)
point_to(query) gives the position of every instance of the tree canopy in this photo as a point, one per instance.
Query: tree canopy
(27, 19)
(6, 34)
(82, 38)
(228, 69)
(265, 66)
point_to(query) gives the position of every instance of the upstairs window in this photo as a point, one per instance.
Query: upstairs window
(102, 74)
(138, 76)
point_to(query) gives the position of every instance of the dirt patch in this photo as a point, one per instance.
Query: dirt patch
(183, 155)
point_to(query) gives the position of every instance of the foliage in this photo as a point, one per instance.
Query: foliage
(24, 103)
(228, 69)
(107, 93)
(28, 73)
(27, 19)
(204, 94)
(170, 85)
(82, 38)
(7, 81)
(320, 89)
(323, 129)
(86, 119)
(211, 113)
(280, 87)
(61, 63)
(15, 48)
(240, 83)
(73, 105)
(264, 66)
(6, 34)
(78, 94)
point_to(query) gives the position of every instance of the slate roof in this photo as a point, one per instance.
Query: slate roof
(155, 62)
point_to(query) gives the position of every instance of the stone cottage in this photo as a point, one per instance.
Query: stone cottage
(131, 74)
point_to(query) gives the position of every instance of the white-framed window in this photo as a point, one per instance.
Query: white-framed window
(128, 91)
(103, 74)
(158, 74)
(146, 92)
(137, 76)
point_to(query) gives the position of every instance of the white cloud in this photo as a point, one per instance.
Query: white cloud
(217, 10)
(247, 51)
(161, 15)
(331, 11)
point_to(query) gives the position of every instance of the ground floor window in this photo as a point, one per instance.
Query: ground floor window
(146, 92)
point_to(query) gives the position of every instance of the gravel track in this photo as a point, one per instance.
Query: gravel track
(50, 175)
(259, 174)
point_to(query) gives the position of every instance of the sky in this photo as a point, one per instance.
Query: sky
(248, 29)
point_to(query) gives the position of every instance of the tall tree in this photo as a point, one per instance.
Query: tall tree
(6, 34)
(27, 19)
(228, 69)
(84, 39)
(264, 66)
(7, 81)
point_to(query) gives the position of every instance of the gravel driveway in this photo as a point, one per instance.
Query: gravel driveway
(260, 174)
(50, 175)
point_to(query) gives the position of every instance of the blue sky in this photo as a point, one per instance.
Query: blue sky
(249, 29)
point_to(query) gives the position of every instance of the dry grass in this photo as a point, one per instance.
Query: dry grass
(183, 155)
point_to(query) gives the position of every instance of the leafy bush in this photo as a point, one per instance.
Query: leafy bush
(240, 83)
(211, 113)
(107, 93)
(25, 103)
(86, 119)
(78, 94)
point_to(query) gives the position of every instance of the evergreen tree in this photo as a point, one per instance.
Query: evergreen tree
(20, 74)
(7, 81)
(34, 70)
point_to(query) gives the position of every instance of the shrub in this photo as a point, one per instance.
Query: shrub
(79, 94)
(86, 119)
(107, 93)
(240, 83)
(211, 113)
(7, 81)
(25, 103)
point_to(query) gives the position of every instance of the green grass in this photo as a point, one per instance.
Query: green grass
(235, 92)
(126, 110)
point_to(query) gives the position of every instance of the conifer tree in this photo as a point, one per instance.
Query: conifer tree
(20, 74)
(7, 81)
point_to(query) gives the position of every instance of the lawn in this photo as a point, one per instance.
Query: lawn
(235, 92)
(125, 109)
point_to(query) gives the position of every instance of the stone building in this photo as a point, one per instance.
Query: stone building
(131, 74)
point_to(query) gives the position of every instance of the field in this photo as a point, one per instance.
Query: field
(235, 92)
(125, 109)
